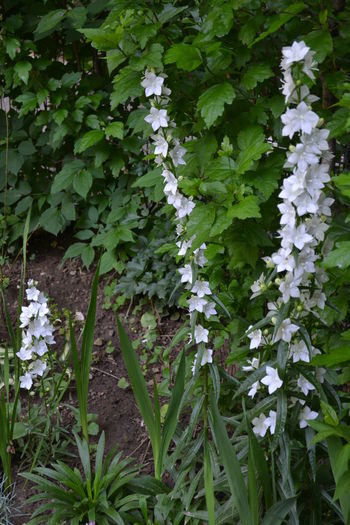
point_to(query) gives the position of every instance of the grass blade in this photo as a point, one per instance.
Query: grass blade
(277, 513)
(208, 483)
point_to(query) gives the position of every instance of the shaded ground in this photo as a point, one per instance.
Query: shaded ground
(68, 285)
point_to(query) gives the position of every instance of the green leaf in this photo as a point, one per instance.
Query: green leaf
(65, 177)
(185, 56)
(82, 182)
(50, 21)
(200, 223)
(22, 69)
(28, 101)
(335, 357)
(256, 74)
(277, 21)
(51, 220)
(231, 464)
(125, 85)
(211, 103)
(339, 257)
(89, 139)
(321, 42)
(152, 178)
(60, 115)
(115, 129)
(137, 380)
(26, 147)
(245, 209)
(251, 142)
(329, 414)
(277, 513)
(342, 182)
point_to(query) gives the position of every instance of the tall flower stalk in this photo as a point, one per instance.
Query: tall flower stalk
(169, 154)
(294, 279)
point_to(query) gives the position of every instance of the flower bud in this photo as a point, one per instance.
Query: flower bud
(292, 148)
(300, 308)
(266, 332)
(278, 281)
(298, 82)
(320, 122)
(273, 320)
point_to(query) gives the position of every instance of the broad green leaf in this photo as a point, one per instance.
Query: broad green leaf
(28, 102)
(329, 414)
(245, 209)
(115, 129)
(60, 115)
(342, 182)
(321, 42)
(339, 257)
(211, 103)
(22, 69)
(334, 357)
(251, 142)
(51, 220)
(152, 178)
(82, 182)
(256, 74)
(185, 56)
(200, 223)
(89, 139)
(50, 21)
(64, 178)
(277, 21)
(26, 147)
(125, 85)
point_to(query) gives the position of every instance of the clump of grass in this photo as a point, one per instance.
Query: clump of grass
(7, 495)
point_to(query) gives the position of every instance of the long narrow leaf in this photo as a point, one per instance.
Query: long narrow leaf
(278, 512)
(137, 380)
(231, 465)
(173, 412)
(208, 483)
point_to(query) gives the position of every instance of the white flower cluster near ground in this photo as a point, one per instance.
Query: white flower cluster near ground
(169, 155)
(37, 334)
(304, 210)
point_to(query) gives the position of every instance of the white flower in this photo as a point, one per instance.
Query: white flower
(185, 208)
(294, 53)
(26, 381)
(184, 246)
(299, 119)
(40, 347)
(272, 379)
(201, 288)
(288, 213)
(186, 273)
(309, 65)
(196, 303)
(253, 389)
(161, 145)
(285, 331)
(171, 182)
(302, 157)
(288, 85)
(304, 385)
(284, 260)
(177, 154)
(158, 118)
(258, 286)
(271, 421)
(255, 338)
(299, 352)
(199, 257)
(306, 414)
(174, 199)
(289, 287)
(200, 334)
(24, 354)
(32, 293)
(209, 309)
(253, 365)
(152, 84)
(207, 356)
(260, 426)
(39, 368)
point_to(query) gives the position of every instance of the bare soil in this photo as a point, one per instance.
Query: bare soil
(69, 285)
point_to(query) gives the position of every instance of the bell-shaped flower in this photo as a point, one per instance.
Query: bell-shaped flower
(272, 379)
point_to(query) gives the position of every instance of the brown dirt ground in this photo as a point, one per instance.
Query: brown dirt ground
(69, 285)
